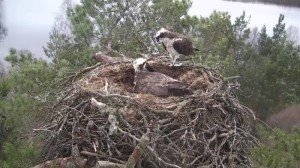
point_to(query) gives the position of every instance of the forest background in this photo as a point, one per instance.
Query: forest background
(266, 65)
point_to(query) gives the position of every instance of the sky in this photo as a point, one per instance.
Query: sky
(31, 13)
(29, 22)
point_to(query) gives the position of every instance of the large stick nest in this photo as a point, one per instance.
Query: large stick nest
(208, 128)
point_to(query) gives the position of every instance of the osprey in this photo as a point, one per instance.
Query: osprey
(156, 83)
(176, 44)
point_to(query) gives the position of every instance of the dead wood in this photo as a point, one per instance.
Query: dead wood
(138, 151)
(100, 112)
(78, 162)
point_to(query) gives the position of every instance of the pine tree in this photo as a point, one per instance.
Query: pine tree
(130, 26)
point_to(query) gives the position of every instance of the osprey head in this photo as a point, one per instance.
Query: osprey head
(139, 64)
(160, 34)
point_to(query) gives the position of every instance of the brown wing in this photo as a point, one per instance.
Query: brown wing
(103, 58)
(183, 46)
(159, 84)
(145, 84)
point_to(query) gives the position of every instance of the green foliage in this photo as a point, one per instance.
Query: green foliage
(281, 149)
(4, 87)
(129, 25)
(269, 76)
(216, 36)
(241, 33)
(25, 91)
(19, 155)
(267, 69)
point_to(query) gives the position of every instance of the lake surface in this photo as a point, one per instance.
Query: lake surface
(261, 14)
(30, 22)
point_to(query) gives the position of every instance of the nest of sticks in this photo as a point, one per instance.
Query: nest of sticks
(101, 116)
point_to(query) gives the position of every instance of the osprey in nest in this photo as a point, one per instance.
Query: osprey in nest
(176, 44)
(156, 83)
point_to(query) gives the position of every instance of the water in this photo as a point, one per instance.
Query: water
(30, 22)
(261, 14)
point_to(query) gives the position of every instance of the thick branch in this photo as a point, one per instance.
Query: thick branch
(138, 151)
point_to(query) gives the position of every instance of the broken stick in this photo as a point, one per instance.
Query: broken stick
(138, 151)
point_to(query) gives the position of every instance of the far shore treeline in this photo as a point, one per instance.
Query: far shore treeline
(291, 3)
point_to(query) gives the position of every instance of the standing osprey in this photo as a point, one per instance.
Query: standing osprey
(176, 44)
(156, 83)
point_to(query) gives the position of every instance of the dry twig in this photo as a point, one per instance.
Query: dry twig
(209, 128)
